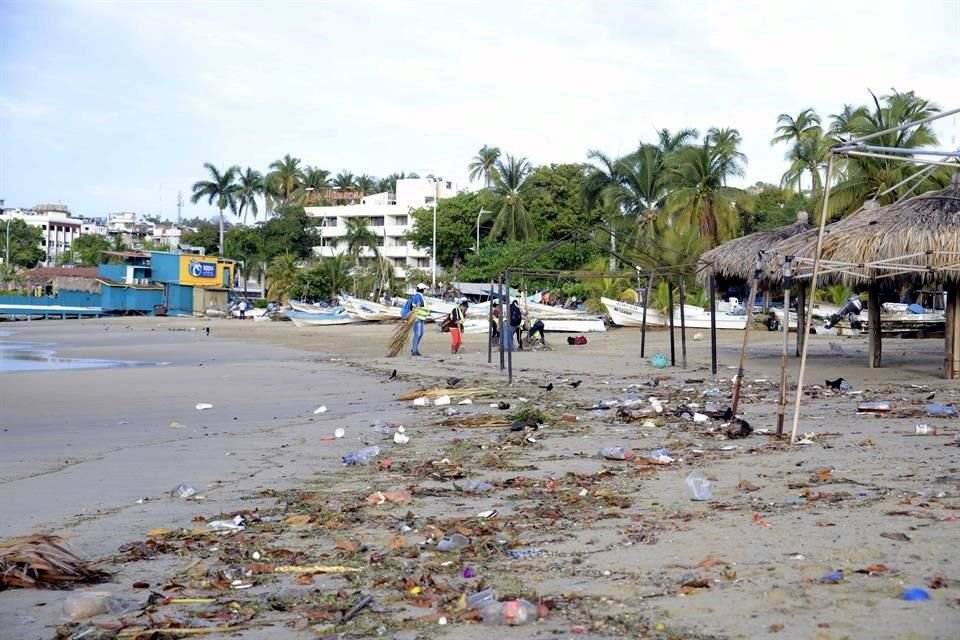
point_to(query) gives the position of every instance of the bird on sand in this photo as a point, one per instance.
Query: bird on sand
(453, 381)
(931, 395)
(393, 375)
(548, 386)
(575, 384)
(834, 384)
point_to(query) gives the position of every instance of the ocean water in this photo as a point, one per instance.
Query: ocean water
(19, 357)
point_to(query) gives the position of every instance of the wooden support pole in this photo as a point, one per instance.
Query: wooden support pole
(683, 326)
(801, 317)
(873, 324)
(784, 355)
(746, 338)
(713, 323)
(490, 325)
(673, 349)
(951, 363)
(643, 322)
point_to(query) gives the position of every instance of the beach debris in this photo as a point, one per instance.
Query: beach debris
(875, 406)
(452, 382)
(738, 428)
(177, 425)
(466, 401)
(321, 409)
(511, 613)
(473, 486)
(503, 406)
(834, 384)
(833, 577)
(80, 606)
(364, 602)
(363, 456)
(698, 487)
(941, 410)
(203, 406)
(234, 524)
(915, 594)
(453, 542)
(422, 401)
(661, 456)
(616, 453)
(659, 361)
(400, 437)
(183, 491)
(339, 432)
(442, 401)
(895, 535)
(393, 496)
(436, 392)
(41, 561)
(524, 554)
(924, 430)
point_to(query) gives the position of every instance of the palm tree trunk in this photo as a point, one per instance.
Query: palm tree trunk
(220, 252)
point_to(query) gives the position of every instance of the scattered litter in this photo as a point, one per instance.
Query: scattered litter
(321, 409)
(176, 425)
(698, 487)
(453, 542)
(203, 406)
(511, 613)
(941, 410)
(363, 456)
(661, 456)
(466, 401)
(236, 524)
(183, 491)
(44, 562)
(523, 554)
(832, 578)
(876, 406)
(401, 438)
(442, 400)
(473, 486)
(339, 432)
(422, 401)
(659, 361)
(915, 594)
(616, 453)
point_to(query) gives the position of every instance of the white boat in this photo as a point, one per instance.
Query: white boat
(588, 324)
(302, 319)
(303, 307)
(371, 311)
(697, 318)
(625, 314)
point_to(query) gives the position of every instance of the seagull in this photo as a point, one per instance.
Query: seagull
(834, 384)
(548, 386)
(932, 395)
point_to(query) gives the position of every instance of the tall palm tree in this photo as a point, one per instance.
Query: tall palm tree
(315, 181)
(484, 164)
(809, 154)
(337, 271)
(840, 122)
(699, 197)
(220, 188)
(792, 131)
(867, 178)
(285, 176)
(669, 142)
(510, 187)
(602, 187)
(249, 186)
(365, 184)
(727, 144)
(645, 184)
(358, 235)
(345, 180)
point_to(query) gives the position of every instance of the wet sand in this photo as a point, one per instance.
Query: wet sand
(92, 455)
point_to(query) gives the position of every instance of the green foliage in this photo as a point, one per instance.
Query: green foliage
(493, 259)
(291, 231)
(456, 227)
(776, 207)
(555, 201)
(25, 240)
(512, 188)
(87, 248)
(206, 235)
(312, 283)
(835, 294)
(281, 275)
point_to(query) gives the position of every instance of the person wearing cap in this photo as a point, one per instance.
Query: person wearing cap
(421, 312)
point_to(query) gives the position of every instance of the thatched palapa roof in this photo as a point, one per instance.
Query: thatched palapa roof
(736, 259)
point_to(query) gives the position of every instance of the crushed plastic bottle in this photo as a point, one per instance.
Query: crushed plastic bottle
(512, 613)
(698, 487)
(616, 453)
(473, 486)
(661, 456)
(183, 491)
(481, 599)
(363, 456)
(942, 410)
(875, 406)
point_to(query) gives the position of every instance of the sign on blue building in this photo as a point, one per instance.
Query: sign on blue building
(199, 269)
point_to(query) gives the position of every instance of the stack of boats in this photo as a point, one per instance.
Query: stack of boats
(353, 310)
(729, 315)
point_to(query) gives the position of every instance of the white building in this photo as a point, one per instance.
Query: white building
(388, 216)
(59, 228)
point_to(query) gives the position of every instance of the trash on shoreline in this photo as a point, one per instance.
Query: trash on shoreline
(941, 410)
(616, 453)
(236, 524)
(203, 406)
(183, 491)
(915, 594)
(661, 456)
(511, 613)
(321, 409)
(698, 487)
(363, 456)
(473, 486)
(44, 562)
(453, 542)
(80, 606)
(875, 406)
(339, 432)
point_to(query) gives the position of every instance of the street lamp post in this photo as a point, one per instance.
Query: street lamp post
(480, 213)
(433, 257)
(6, 260)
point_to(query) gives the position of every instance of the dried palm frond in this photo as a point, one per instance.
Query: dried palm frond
(476, 422)
(400, 335)
(459, 392)
(44, 562)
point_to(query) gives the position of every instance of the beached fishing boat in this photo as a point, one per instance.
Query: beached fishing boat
(583, 324)
(302, 319)
(697, 318)
(304, 307)
(370, 311)
(625, 314)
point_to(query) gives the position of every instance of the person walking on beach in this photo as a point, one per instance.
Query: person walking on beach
(457, 315)
(243, 308)
(419, 307)
(516, 320)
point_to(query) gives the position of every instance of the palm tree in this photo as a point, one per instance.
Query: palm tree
(365, 184)
(645, 184)
(314, 182)
(484, 164)
(867, 178)
(699, 198)
(809, 154)
(345, 180)
(220, 187)
(358, 235)
(285, 177)
(249, 186)
(669, 142)
(510, 187)
(337, 271)
(840, 122)
(281, 274)
(602, 187)
(793, 130)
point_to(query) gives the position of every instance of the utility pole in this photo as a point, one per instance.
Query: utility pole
(179, 206)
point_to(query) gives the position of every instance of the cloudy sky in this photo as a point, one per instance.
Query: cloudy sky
(116, 106)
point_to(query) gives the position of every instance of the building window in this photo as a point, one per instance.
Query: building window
(377, 221)
(400, 242)
(402, 220)
(330, 222)
(379, 241)
(428, 199)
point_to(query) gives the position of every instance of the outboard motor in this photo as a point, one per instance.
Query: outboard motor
(850, 311)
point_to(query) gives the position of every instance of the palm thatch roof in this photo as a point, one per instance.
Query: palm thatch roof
(736, 259)
(915, 240)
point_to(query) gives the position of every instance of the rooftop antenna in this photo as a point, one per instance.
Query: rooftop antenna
(179, 206)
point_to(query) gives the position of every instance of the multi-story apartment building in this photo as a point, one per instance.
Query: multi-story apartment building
(388, 216)
(59, 228)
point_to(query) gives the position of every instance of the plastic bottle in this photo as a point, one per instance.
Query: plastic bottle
(698, 487)
(616, 453)
(511, 612)
(364, 456)
(481, 599)
(473, 486)
(876, 406)
(940, 410)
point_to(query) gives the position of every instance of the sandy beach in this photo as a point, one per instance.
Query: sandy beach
(809, 541)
